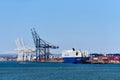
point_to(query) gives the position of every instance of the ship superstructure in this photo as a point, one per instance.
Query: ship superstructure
(74, 56)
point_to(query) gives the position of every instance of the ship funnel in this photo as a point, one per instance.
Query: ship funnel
(73, 49)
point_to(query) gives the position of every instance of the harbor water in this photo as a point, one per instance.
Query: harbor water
(58, 71)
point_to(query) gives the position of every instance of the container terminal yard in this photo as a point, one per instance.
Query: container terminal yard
(94, 58)
(41, 53)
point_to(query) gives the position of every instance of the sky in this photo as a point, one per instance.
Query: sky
(92, 25)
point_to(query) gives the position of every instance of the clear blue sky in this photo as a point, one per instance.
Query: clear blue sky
(92, 25)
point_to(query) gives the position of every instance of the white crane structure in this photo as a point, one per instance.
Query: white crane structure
(84, 53)
(24, 52)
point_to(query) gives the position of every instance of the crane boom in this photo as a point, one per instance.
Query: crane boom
(42, 46)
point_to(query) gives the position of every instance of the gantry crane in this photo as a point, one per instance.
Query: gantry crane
(24, 52)
(42, 47)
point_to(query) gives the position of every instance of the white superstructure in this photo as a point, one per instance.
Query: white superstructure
(74, 53)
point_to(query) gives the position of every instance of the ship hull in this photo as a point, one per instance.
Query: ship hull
(79, 60)
(72, 60)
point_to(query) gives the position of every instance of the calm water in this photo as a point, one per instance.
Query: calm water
(58, 71)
